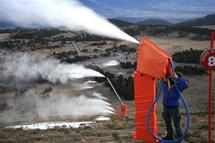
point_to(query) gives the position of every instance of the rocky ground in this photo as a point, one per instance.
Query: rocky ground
(117, 130)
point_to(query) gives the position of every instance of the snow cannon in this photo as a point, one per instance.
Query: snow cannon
(152, 64)
(123, 107)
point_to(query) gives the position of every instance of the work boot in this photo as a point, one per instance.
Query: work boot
(168, 138)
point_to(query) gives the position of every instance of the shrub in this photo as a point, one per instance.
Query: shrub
(128, 64)
(188, 56)
(191, 70)
(124, 86)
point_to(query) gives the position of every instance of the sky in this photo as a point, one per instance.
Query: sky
(172, 10)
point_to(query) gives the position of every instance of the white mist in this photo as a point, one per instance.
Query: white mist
(56, 13)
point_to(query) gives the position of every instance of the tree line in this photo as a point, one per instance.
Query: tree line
(187, 56)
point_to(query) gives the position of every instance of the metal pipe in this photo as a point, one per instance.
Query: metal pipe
(115, 91)
(210, 97)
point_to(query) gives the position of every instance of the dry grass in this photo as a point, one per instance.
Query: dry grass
(115, 131)
(4, 36)
(171, 45)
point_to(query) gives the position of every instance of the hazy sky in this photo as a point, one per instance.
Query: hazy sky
(167, 9)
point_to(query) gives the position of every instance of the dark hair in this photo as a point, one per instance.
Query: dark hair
(179, 74)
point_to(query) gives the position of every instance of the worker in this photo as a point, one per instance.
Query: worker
(171, 101)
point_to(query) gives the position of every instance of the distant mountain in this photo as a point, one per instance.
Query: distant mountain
(154, 22)
(131, 19)
(207, 20)
(4, 25)
(119, 22)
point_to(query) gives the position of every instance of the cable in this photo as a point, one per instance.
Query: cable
(186, 109)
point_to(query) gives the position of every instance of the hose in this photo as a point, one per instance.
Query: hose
(150, 110)
(186, 110)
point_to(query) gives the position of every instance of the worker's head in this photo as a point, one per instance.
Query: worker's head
(170, 80)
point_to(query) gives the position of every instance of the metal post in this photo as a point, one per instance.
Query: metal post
(115, 91)
(210, 96)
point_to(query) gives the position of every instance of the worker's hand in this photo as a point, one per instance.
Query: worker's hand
(175, 75)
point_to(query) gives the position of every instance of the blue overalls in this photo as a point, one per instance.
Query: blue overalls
(171, 111)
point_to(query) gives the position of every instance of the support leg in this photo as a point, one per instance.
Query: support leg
(145, 90)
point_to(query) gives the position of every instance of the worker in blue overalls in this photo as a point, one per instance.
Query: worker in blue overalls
(171, 101)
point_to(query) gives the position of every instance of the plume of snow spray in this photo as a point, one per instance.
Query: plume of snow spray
(75, 106)
(24, 67)
(110, 63)
(48, 103)
(55, 13)
(33, 105)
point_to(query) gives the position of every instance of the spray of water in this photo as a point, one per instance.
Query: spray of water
(32, 105)
(56, 13)
(48, 103)
(25, 67)
(110, 63)
(75, 106)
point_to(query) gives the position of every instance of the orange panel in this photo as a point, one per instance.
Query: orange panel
(152, 60)
(144, 87)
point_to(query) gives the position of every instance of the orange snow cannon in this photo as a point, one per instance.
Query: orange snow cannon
(152, 64)
(123, 107)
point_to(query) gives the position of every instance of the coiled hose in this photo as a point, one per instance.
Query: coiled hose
(187, 111)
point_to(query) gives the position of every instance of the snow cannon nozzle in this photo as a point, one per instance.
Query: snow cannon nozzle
(123, 110)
